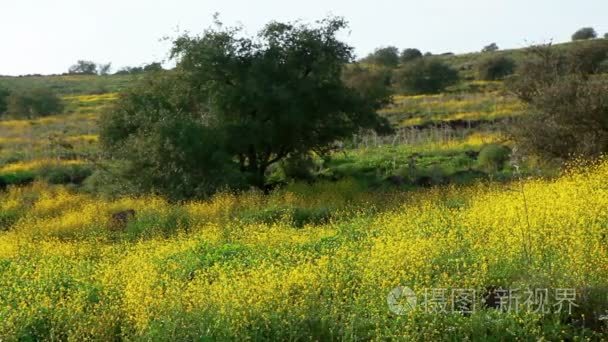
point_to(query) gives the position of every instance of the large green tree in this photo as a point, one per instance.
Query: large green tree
(262, 99)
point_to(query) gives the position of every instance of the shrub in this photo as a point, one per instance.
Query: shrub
(495, 68)
(299, 167)
(568, 118)
(314, 216)
(70, 174)
(33, 103)
(567, 108)
(493, 157)
(490, 48)
(106, 184)
(369, 82)
(385, 56)
(4, 94)
(584, 34)
(587, 58)
(426, 76)
(408, 55)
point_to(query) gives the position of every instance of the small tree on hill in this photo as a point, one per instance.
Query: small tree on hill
(490, 48)
(83, 68)
(408, 55)
(426, 76)
(153, 67)
(584, 34)
(104, 69)
(386, 56)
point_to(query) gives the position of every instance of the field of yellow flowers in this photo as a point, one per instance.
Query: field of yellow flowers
(309, 262)
(326, 261)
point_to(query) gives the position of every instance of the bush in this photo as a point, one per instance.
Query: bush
(4, 94)
(71, 174)
(313, 216)
(33, 103)
(495, 68)
(408, 55)
(386, 56)
(584, 34)
(490, 48)
(493, 157)
(426, 76)
(586, 58)
(568, 119)
(299, 167)
(567, 107)
(369, 82)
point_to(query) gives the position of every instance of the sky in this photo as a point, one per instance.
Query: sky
(47, 36)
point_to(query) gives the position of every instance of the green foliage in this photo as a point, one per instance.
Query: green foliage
(410, 54)
(584, 34)
(4, 94)
(70, 174)
(83, 67)
(299, 167)
(493, 157)
(33, 103)
(153, 67)
(426, 76)
(370, 83)
(384, 56)
(490, 48)
(234, 106)
(495, 68)
(312, 216)
(587, 58)
(153, 129)
(567, 106)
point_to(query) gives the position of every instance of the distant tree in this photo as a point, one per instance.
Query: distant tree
(4, 94)
(605, 35)
(408, 55)
(130, 71)
(490, 48)
(153, 67)
(83, 68)
(426, 76)
(495, 68)
(33, 103)
(104, 69)
(584, 34)
(237, 105)
(139, 70)
(385, 56)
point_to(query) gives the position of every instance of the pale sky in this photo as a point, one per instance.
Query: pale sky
(47, 36)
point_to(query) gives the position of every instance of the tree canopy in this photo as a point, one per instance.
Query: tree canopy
(261, 98)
